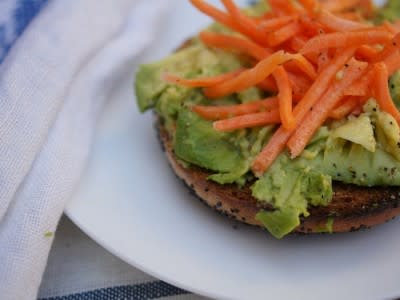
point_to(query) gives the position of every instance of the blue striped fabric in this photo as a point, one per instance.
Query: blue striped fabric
(143, 291)
(15, 16)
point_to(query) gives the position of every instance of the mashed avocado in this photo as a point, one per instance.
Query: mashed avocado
(372, 157)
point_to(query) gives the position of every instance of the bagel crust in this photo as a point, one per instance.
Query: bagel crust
(351, 208)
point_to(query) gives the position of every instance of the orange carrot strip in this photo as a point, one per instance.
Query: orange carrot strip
(285, 98)
(389, 27)
(320, 112)
(392, 62)
(361, 87)
(297, 42)
(366, 52)
(250, 77)
(275, 23)
(283, 34)
(225, 19)
(278, 141)
(200, 82)
(215, 13)
(345, 108)
(323, 59)
(282, 7)
(396, 26)
(357, 111)
(224, 41)
(367, 8)
(310, 27)
(226, 111)
(248, 121)
(311, 6)
(268, 84)
(336, 23)
(352, 16)
(346, 39)
(339, 5)
(390, 47)
(300, 85)
(247, 25)
(381, 91)
(304, 65)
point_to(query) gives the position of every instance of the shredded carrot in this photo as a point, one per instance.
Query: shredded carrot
(336, 23)
(311, 27)
(274, 23)
(268, 85)
(346, 39)
(366, 52)
(278, 141)
(250, 77)
(215, 13)
(323, 59)
(358, 88)
(300, 85)
(346, 107)
(248, 121)
(389, 27)
(366, 8)
(381, 91)
(311, 6)
(283, 34)
(298, 42)
(322, 82)
(246, 24)
(357, 111)
(396, 26)
(319, 57)
(320, 111)
(390, 47)
(392, 62)
(304, 65)
(339, 5)
(282, 7)
(200, 82)
(352, 16)
(226, 111)
(254, 50)
(243, 45)
(285, 98)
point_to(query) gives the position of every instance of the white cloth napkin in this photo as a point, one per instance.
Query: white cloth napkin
(53, 85)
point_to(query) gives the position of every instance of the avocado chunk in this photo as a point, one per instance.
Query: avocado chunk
(191, 62)
(290, 187)
(198, 143)
(365, 133)
(279, 222)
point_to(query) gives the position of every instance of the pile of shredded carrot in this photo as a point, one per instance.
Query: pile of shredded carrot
(321, 58)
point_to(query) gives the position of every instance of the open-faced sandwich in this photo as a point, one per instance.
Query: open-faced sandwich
(283, 114)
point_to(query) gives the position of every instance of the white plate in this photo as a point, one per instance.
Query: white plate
(130, 203)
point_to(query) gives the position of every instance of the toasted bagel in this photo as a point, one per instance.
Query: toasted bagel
(351, 208)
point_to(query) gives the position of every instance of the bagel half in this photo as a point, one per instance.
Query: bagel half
(351, 208)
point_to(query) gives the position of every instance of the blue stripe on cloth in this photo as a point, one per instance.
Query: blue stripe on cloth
(16, 16)
(143, 291)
